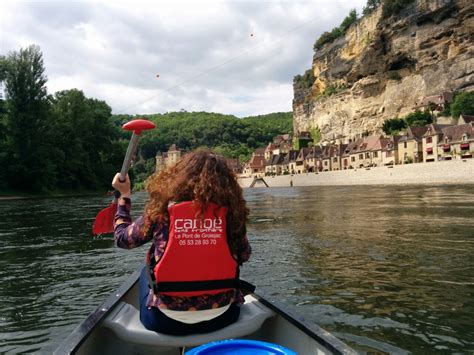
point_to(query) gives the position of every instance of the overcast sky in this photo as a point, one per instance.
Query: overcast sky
(233, 57)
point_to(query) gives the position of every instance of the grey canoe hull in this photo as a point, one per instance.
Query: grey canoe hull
(114, 328)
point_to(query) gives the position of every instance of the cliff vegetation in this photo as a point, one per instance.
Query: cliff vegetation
(384, 65)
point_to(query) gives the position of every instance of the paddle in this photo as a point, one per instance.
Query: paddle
(104, 221)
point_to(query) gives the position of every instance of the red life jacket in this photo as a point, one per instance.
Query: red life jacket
(197, 259)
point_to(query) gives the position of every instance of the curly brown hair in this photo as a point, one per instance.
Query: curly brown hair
(200, 176)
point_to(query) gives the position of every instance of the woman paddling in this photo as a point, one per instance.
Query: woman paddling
(195, 218)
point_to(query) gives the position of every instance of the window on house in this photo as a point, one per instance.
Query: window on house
(367, 155)
(353, 159)
(375, 154)
(404, 144)
(334, 160)
(429, 139)
(325, 162)
(361, 156)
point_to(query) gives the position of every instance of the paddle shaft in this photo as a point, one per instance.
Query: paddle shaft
(132, 147)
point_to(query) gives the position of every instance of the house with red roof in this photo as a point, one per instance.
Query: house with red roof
(456, 142)
(256, 166)
(430, 141)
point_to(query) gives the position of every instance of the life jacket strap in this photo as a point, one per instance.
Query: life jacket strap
(185, 286)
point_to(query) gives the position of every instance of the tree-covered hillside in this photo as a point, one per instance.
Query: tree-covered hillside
(189, 130)
(67, 142)
(226, 134)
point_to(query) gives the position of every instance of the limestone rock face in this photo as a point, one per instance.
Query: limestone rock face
(383, 66)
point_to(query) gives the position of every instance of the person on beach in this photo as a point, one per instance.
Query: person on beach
(196, 219)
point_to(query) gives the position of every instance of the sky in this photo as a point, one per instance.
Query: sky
(141, 57)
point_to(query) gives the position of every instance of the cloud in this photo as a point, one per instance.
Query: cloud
(235, 57)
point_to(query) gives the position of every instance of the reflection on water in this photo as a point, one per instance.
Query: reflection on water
(387, 269)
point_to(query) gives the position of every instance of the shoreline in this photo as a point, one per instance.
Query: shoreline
(19, 196)
(454, 172)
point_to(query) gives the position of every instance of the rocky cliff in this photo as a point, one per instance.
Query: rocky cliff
(382, 67)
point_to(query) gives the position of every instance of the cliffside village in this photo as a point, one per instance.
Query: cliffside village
(297, 155)
(431, 143)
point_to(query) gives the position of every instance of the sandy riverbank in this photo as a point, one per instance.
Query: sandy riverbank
(445, 172)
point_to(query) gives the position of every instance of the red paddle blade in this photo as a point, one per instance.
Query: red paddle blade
(104, 221)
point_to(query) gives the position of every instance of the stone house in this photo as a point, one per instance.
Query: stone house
(457, 142)
(336, 156)
(373, 152)
(269, 151)
(164, 160)
(289, 162)
(463, 119)
(300, 166)
(410, 145)
(348, 160)
(438, 102)
(326, 162)
(273, 165)
(256, 166)
(390, 151)
(430, 141)
(313, 159)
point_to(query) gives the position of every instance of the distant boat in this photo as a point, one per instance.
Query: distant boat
(115, 328)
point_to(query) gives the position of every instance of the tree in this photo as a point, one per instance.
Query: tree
(28, 164)
(393, 126)
(463, 104)
(418, 118)
(84, 136)
(336, 32)
(393, 7)
(348, 21)
(371, 6)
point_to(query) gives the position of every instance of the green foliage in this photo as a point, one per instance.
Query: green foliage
(334, 89)
(26, 122)
(336, 32)
(418, 118)
(463, 104)
(315, 134)
(304, 81)
(394, 7)
(52, 143)
(88, 150)
(393, 126)
(371, 6)
(227, 134)
(348, 21)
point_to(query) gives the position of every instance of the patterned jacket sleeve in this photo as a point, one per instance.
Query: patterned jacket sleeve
(128, 234)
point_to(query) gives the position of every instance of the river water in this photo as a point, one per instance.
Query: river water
(386, 269)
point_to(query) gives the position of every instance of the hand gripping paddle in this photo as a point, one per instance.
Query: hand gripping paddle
(104, 221)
